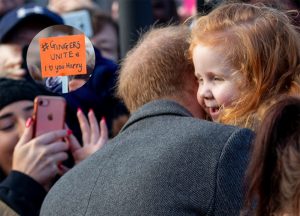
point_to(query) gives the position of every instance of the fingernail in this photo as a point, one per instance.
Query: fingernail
(91, 110)
(103, 119)
(28, 122)
(69, 132)
(79, 109)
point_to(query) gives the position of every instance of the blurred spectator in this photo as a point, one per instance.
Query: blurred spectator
(6, 5)
(105, 30)
(20, 25)
(106, 35)
(11, 61)
(164, 11)
(18, 28)
(63, 6)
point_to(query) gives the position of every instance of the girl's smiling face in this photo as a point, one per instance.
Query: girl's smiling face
(218, 82)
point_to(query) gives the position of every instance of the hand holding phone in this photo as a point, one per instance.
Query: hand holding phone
(35, 156)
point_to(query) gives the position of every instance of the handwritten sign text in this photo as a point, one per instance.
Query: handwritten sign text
(63, 56)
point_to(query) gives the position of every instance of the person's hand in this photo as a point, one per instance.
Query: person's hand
(40, 157)
(94, 136)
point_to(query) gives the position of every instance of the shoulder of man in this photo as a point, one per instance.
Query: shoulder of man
(229, 181)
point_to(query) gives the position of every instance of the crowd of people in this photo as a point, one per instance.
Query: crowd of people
(199, 117)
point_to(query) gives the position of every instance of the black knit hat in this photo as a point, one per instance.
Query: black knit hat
(16, 90)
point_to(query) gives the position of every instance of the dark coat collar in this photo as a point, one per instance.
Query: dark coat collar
(155, 108)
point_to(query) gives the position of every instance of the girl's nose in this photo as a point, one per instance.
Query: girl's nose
(205, 91)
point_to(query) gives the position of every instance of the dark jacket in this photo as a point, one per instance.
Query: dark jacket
(164, 162)
(22, 193)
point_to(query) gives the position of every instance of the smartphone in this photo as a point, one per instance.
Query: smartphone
(79, 19)
(49, 114)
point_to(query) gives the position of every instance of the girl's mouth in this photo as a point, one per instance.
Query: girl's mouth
(214, 112)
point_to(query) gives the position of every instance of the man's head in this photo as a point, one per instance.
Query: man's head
(158, 68)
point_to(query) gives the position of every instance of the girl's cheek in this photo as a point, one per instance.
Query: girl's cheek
(199, 98)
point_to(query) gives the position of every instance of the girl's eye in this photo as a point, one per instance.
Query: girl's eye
(218, 79)
(7, 124)
(200, 80)
(7, 128)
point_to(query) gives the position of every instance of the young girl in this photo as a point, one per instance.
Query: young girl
(273, 173)
(245, 56)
